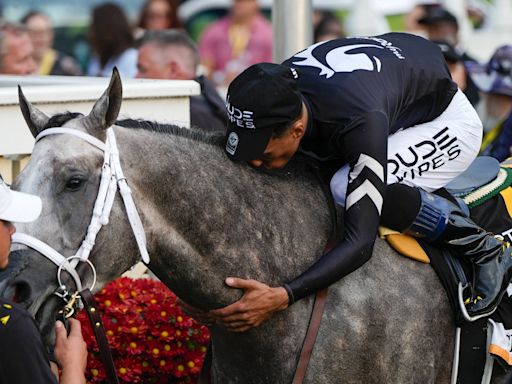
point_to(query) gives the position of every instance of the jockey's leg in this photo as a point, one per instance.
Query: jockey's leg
(441, 222)
(425, 158)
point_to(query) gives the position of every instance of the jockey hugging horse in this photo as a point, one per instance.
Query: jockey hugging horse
(384, 114)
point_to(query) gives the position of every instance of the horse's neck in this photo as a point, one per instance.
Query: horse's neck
(207, 218)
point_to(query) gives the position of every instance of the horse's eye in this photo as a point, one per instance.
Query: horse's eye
(75, 183)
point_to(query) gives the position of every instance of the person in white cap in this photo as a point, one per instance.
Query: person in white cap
(23, 357)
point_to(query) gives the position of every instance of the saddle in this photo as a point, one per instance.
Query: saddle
(486, 189)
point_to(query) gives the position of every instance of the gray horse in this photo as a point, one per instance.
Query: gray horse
(207, 218)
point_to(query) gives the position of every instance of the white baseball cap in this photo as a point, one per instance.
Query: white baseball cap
(18, 207)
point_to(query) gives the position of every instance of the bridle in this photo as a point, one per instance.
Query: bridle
(112, 179)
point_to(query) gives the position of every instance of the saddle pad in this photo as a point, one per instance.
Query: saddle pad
(507, 163)
(500, 341)
(500, 325)
(481, 171)
(480, 195)
(404, 244)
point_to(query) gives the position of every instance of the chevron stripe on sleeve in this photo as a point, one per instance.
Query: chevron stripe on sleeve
(367, 187)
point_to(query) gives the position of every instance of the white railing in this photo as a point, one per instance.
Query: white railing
(166, 101)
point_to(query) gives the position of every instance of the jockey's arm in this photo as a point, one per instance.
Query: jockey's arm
(366, 145)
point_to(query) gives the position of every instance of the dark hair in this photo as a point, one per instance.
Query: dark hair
(171, 38)
(5, 28)
(24, 20)
(172, 17)
(329, 24)
(110, 33)
(167, 37)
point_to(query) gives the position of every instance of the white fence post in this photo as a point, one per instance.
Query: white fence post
(292, 23)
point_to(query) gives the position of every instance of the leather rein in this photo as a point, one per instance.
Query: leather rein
(112, 180)
(321, 296)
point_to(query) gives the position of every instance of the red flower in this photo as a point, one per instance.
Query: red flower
(152, 340)
(129, 371)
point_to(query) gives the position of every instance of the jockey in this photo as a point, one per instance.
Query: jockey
(386, 113)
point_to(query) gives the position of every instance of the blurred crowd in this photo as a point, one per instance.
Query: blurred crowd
(159, 47)
(487, 85)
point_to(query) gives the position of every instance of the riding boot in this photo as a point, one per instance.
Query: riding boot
(439, 221)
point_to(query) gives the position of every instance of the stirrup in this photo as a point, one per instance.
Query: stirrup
(464, 310)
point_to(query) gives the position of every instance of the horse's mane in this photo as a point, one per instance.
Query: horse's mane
(299, 167)
(60, 119)
(216, 138)
(193, 133)
(211, 137)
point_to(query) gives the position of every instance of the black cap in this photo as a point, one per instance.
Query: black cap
(262, 97)
(435, 15)
(449, 52)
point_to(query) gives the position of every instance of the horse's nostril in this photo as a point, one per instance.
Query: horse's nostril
(21, 292)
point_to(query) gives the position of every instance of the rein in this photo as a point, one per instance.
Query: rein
(321, 296)
(112, 180)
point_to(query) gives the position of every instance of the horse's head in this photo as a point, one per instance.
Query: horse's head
(65, 172)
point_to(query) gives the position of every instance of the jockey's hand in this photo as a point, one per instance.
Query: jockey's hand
(257, 304)
(202, 317)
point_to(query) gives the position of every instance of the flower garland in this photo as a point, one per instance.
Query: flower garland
(152, 340)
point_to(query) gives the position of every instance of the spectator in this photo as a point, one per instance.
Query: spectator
(326, 26)
(23, 357)
(159, 14)
(242, 38)
(171, 54)
(48, 60)
(455, 63)
(442, 25)
(16, 50)
(418, 11)
(494, 79)
(112, 43)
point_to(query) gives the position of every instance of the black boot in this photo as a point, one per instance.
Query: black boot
(442, 222)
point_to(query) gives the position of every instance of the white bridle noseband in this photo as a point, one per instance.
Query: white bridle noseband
(112, 179)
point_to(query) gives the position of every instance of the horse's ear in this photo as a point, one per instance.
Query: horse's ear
(35, 119)
(106, 109)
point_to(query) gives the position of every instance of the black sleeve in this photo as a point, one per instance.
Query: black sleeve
(23, 357)
(365, 144)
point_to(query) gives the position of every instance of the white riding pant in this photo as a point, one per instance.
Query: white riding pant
(428, 155)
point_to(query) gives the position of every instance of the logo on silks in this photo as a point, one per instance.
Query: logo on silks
(427, 155)
(241, 118)
(347, 58)
(232, 143)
